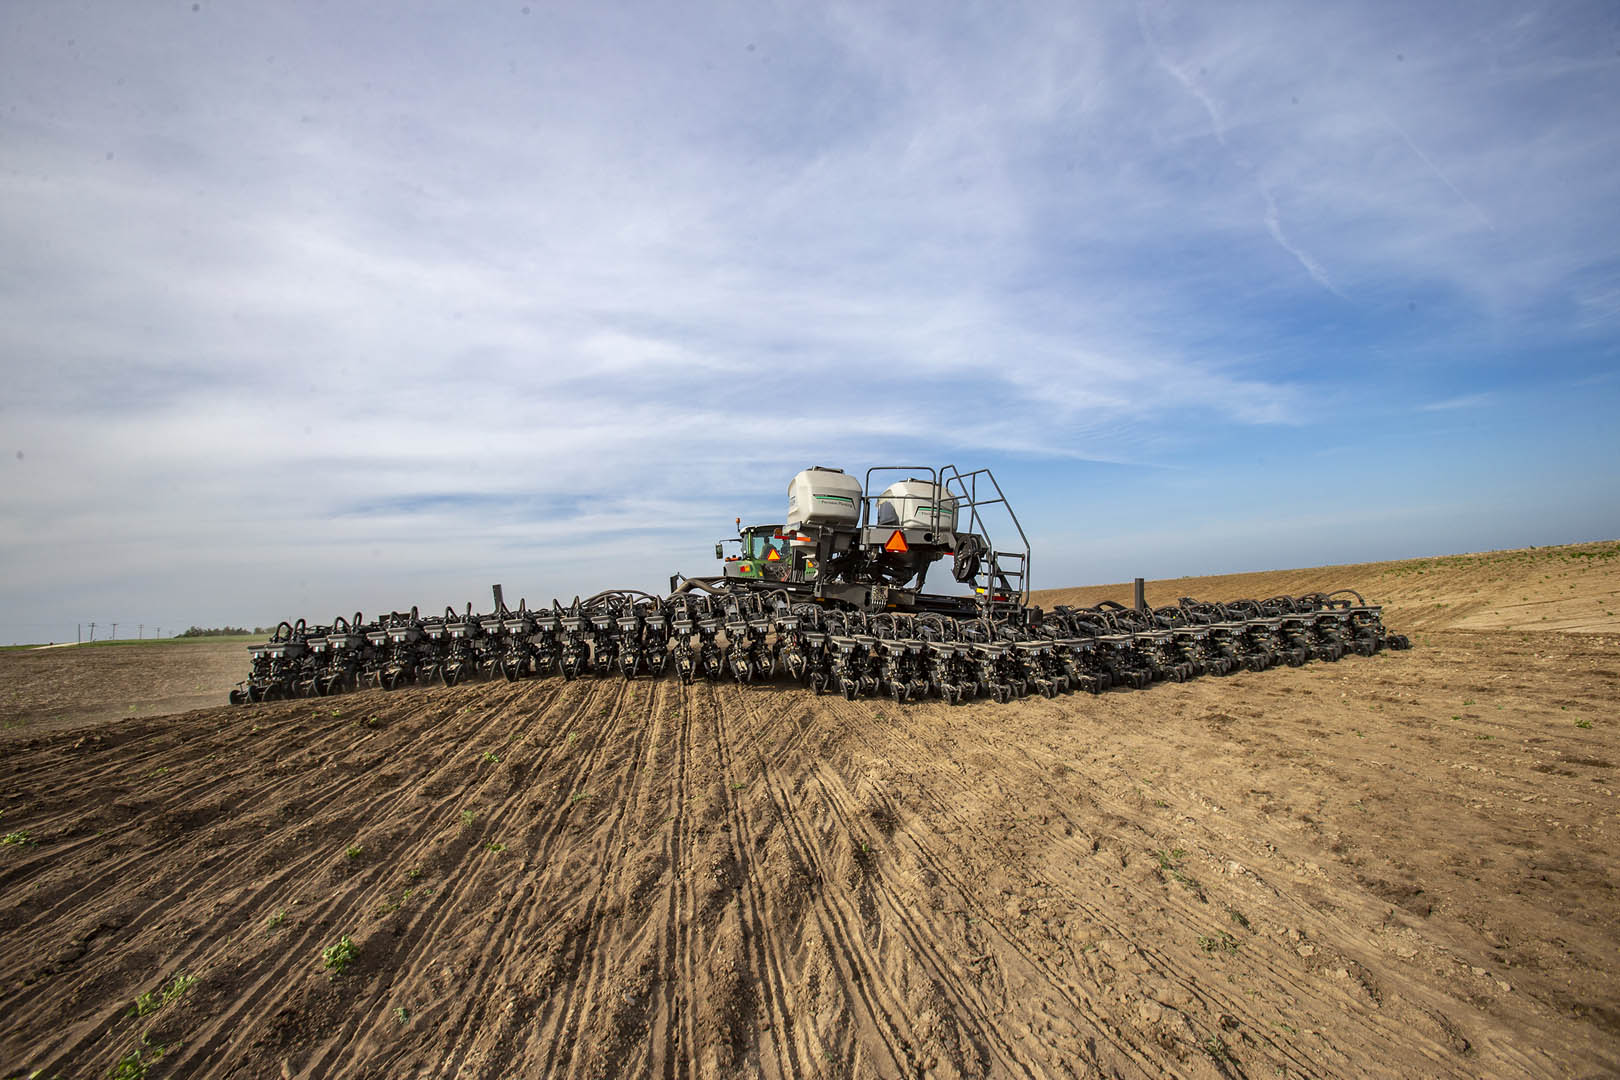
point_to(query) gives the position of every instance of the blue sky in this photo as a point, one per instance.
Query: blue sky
(307, 308)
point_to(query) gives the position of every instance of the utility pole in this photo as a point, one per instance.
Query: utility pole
(81, 633)
(157, 632)
(92, 631)
(140, 630)
(114, 636)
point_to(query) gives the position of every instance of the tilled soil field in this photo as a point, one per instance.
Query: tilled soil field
(1398, 865)
(69, 686)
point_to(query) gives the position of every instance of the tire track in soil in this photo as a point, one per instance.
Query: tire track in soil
(860, 726)
(1159, 966)
(1393, 1016)
(584, 992)
(908, 920)
(945, 976)
(1073, 994)
(679, 1007)
(861, 972)
(637, 795)
(1297, 981)
(761, 947)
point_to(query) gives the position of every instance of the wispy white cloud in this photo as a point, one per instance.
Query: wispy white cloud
(1463, 401)
(296, 279)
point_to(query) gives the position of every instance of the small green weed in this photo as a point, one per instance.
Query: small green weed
(494, 847)
(1220, 941)
(1216, 1048)
(354, 853)
(468, 817)
(401, 1016)
(1169, 860)
(129, 1067)
(1238, 917)
(337, 958)
(578, 796)
(1484, 738)
(277, 919)
(133, 1065)
(492, 757)
(21, 839)
(1170, 863)
(1583, 723)
(153, 1000)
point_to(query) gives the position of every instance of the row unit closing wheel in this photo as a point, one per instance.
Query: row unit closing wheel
(911, 672)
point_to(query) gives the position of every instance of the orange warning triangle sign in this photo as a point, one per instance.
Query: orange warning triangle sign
(774, 556)
(897, 542)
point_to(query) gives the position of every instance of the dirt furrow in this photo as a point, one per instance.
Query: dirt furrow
(578, 1046)
(312, 924)
(842, 922)
(762, 949)
(994, 946)
(543, 818)
(474, 865)
(1156, 973)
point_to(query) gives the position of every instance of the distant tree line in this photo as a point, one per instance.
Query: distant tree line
(222, 631)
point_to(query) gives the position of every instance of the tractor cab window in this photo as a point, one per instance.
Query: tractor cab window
(758, 545)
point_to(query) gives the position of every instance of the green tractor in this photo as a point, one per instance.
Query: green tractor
(764, 554)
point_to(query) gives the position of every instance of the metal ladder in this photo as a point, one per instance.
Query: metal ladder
(1006, 570)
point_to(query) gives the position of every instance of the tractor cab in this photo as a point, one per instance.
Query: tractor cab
(762, 555)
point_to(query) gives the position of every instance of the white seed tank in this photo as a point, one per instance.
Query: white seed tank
(820, 496)
(917, 504)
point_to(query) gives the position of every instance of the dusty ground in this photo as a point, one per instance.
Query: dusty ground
(1400, 865)
(53, 689)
